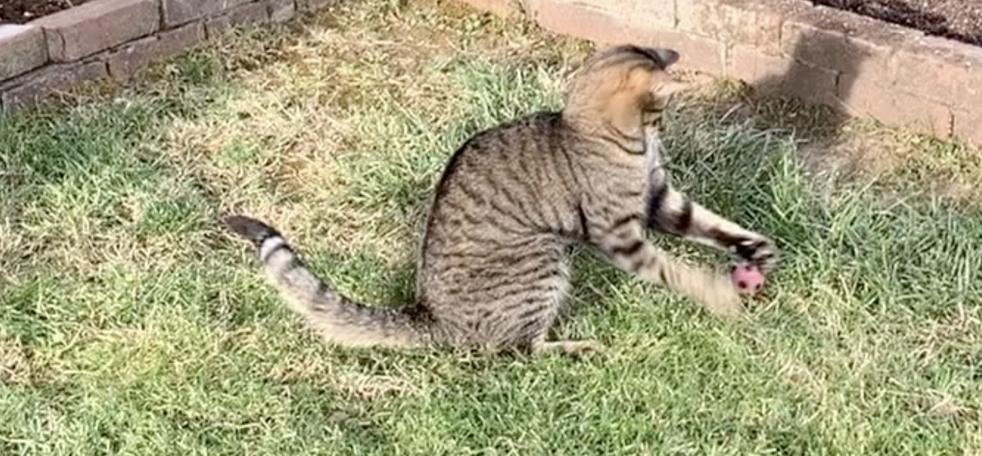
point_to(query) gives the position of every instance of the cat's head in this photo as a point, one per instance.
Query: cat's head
(618, 84)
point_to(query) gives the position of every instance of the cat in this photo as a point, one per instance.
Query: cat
(494, 264)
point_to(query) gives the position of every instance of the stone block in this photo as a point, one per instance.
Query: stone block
(920, 115)
(177, 12)
(22, 49)
(97, 26)
(942, 70)
(833, 39)
(750, 22)
(581, 20)
(695, 52)
(899, 109)
(783, 76)
(29, 89)
(130, 59)
(644, 14)
(280, 11)
(967, 126)
(252, 13)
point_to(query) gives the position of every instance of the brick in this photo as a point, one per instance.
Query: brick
(177, 12)
(782, 75)
(967, 126)
(280, 11)
(96, 26)
(754, 22)
(919, 115)
(22, 48)
(609, 26)
(873, 92)
(841, 41)
(867, 88)
(695, 52)
(32, 88)
(941, 70)
(253, 13)
(127, 61)
(644, 14)
(900, 110)
(314, 5)
(581, 20)
(866, 94)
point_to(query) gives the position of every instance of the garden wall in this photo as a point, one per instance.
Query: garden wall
(111, 39)
(857, 65)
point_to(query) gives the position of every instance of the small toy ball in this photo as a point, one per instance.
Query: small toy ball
(747, 277)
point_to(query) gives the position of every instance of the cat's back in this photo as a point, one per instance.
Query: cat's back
(519, 142)
(504, 185)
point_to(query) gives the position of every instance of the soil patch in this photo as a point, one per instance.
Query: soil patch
(22, 11)
(955, 19)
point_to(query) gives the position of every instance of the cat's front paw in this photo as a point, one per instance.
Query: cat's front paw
(760, 252)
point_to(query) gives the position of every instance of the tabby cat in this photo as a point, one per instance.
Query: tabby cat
(494, 264)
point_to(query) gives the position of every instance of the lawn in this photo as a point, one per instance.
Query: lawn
(131, 323)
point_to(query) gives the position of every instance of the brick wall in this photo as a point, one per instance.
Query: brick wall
(105, 39)
(860, 66)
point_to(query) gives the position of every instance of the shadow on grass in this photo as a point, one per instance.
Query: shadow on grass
(798, 102)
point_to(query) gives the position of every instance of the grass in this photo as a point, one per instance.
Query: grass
(130, 323)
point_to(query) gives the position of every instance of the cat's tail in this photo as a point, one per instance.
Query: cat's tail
(341, 320)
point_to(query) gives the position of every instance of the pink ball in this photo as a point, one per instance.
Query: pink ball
(747, 277)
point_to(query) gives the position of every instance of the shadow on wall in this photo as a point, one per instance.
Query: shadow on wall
(827, 85)
(820, 112)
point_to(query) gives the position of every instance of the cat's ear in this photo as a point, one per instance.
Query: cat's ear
(666, 56)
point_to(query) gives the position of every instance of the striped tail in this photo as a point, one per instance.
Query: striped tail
(341, 320)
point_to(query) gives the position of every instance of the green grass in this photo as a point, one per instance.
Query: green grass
(130, 323)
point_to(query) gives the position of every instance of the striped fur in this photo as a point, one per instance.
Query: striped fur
(493, 269)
